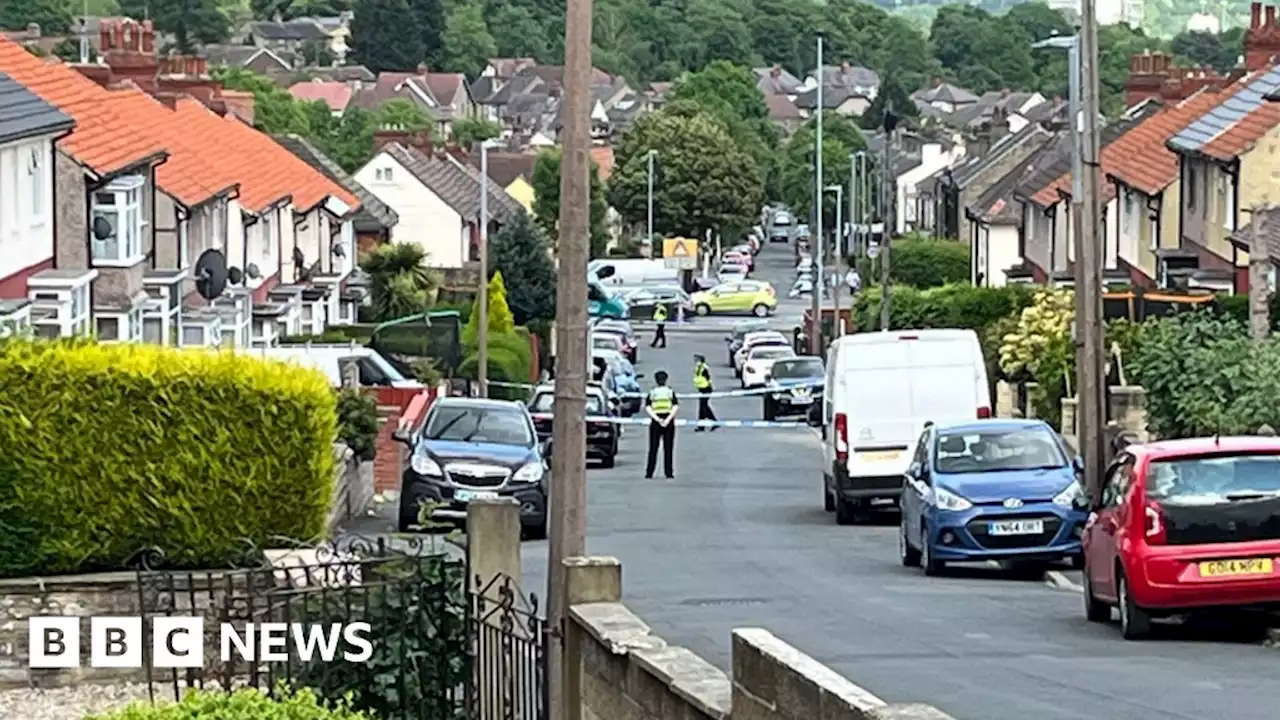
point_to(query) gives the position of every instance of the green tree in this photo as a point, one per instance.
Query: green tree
(401, 284)
(191, 22)
(702, 179)
(428, 21)
(521, 255)
(349, 141)
(404, 114)
(386, 35)
(546, 200)
(892, 95)
(518, 32)
(985, 52)
(55, 17)
(316, 53)
(725, 90)
(468, 132)
(840, 138)
(501, 321)
(465, 44)
(275, 111)
(1202, 48)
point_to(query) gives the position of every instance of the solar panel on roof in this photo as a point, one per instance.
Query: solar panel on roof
(1224, 116)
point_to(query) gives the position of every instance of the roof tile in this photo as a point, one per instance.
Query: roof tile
(1141, 159)
(106, 139)
(1111, 136)
(1239, 118)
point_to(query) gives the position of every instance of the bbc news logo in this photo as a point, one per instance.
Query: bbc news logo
(179, 642)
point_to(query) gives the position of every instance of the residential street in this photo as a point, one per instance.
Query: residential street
(740, 539)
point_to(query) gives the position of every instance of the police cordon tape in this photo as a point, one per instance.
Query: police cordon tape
(680, 422)
(693, 393)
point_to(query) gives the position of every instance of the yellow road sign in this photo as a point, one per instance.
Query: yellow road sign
(680, 253)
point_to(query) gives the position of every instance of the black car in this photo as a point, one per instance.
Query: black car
(645, 301)
(740, 332)
(795, 387)
(602, 436)
(470, 448)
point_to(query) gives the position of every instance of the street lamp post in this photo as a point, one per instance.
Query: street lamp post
(1072, 46)
(839, 191)
(815, 328)
(649, 206)
(482, 336)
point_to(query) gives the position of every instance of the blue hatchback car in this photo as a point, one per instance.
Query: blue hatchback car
(1002, 490)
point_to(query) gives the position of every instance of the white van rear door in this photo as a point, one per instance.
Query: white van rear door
(945, 382)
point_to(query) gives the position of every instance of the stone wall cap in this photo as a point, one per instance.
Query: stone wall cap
(615, 627)
(592, 561)
(52, 582)
(695, 680)
(1127, 390)
(500, 501)
(824, 677)
(910, 711)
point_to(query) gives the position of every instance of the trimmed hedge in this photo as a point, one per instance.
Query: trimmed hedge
(948, 306)
(244, 704)
(111, 449)
(922, 262)
(510, 360)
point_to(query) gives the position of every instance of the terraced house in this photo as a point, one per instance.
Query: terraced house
(161, 166)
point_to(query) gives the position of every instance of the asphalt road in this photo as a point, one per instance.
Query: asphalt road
(740, 539)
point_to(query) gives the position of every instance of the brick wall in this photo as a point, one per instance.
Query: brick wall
(388, 464)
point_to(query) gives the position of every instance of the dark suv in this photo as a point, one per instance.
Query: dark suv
(602, 435)
(470, 448)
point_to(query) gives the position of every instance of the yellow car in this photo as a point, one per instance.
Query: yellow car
(737, 297)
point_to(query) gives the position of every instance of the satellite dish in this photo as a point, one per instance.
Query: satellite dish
(102, 228)
(299, 259)
(235, 276)
(211, 274)
(339, 250)
(252, 272)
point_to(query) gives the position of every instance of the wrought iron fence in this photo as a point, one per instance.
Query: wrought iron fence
(439, 650)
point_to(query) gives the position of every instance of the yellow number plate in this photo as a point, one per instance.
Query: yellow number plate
(880, 455)
(1228, 568)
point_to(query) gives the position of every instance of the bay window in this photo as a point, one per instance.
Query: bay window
(119, 204)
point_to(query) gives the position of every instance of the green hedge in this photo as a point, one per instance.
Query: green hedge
(922, 263)
(948, 306)
(245, 704)
(510, 360)
(111, 449)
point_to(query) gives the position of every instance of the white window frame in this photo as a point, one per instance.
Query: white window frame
(74, 310)
(16, 322)
(129, 222)
(268, 235)
(1226, 185)
(122, 327)
(35, 168)
(219, 223)
(184, 243)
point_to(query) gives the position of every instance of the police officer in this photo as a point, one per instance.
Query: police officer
(661, 404)
(660, 333)
(702, 383)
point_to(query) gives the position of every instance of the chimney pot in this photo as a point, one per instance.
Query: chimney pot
(33, 30)
(104, 35)
(1271, 16)
(1133, 63)
(117, 36)
(1255, 16)
(423, 69)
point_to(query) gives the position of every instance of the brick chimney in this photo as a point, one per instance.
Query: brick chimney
(240, 103)
(775, 71)
(1154, 76)
(421, 140)
(1262, 39)
(185, 74)
(128, 47)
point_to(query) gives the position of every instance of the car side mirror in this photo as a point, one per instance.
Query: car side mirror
(402, 435)
(1077, 462)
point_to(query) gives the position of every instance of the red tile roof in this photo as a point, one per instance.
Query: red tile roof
(106, 138)
(336, 95)
(267, 172)
(192, 174)
(1141, 158)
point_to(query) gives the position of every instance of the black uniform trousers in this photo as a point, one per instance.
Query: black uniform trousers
(666, 436)
(704, 405)
(659, 335)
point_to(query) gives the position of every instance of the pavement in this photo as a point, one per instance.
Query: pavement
(740, 539)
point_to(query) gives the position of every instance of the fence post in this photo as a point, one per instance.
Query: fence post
(493, 576)
(587, 580)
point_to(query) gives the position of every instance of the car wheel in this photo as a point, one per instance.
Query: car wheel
(702, 309)
(1094, 609)
(828, 500)
(769, 412)
(408, 517)
(846, 512)
(1135, 623)
(607, 461)
(536, 530)
(760, 310)
(910, 556)
(932, 566)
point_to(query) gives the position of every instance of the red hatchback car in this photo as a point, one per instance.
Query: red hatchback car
(1184, 525)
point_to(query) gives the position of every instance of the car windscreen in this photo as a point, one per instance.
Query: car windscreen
(500, 426)
(545, 402)
(1214, 479)
(604, 340)
(801, 368)
(742, 331)
(969, 451)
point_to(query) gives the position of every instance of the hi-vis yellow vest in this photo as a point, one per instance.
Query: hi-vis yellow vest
(701, 376)
(660, 314)
(662, 399)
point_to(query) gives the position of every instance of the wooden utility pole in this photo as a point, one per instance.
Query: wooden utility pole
(568, 501)
(1090, 375)
(1259, 269)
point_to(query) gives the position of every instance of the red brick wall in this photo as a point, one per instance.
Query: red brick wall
(388, 463)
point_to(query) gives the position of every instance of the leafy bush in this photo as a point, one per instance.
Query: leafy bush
(509, 361)
(500, 317)
(948, 306)
(245, 704)
(1040, 348)
(923, 262)
(401, 284)
(1203, 375)
(358, 422)
(116, 448)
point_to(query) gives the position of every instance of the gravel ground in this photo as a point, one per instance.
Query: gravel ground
(74, 703)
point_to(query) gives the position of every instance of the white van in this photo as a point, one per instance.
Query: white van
(375, 370)
(633, 271)
(881, 389)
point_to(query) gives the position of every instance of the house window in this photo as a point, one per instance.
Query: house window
(219, 226)
(229, 338)
(382, 174)
(135, 324)
(268, 235)
(184, 243)
(153, 331)
(108, 327)
(1127, 216)
(1227, 199)
(1192, 182)
(120, 205)
(192, 335)
(36, 170)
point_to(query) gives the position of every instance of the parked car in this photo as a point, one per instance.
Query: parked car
(732, 272)
(757, 298)
(625, 377)
(469, 448)
(627, 338)
(795, 386)
(608, 341)
(759, 361)
(1003, 490)
(602, 436)
(643, 302)
(734, 340)
(754, 340)
(1184, 525)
